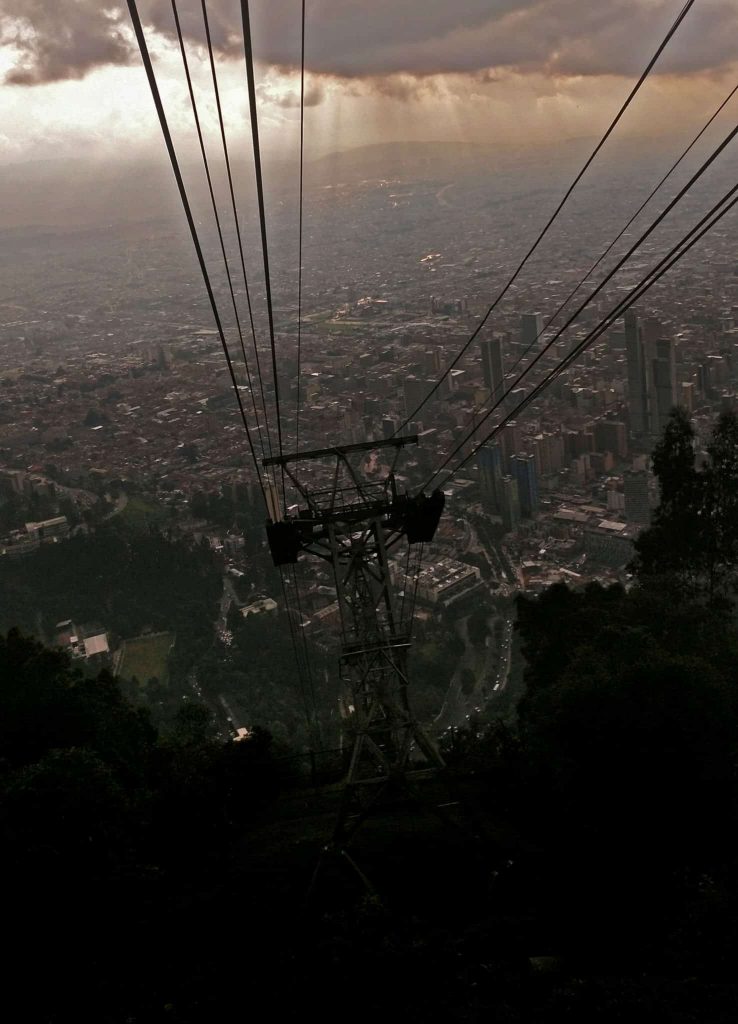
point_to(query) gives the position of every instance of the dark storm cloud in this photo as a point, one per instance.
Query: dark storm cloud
(377, 38)
(61, 39)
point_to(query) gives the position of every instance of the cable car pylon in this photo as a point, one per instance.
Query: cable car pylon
(353, 523)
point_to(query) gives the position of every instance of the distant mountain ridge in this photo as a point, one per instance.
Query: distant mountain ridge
(458, 160)
(80, 193)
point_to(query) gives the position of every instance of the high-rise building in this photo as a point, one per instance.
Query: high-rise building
(719, 370)
(637, 508)
(615, 500)
(601, 462)
(611, 436)
(492, 365)
(509, 503)
(432, 361)
(652, 386)
(549, 450)
(637, 383)
(687, 395)
(663, 384)
(16, 481)
(489, 460)
(523, 469)
(510, 442)
(531, 328)
(580, 468)
(388, 427)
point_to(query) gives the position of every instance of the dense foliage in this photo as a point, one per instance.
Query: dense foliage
(111, 836)
(127, 581)
(123, 579)
(258, 677)
(692, 545)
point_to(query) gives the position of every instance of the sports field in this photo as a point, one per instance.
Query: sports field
(145, 657)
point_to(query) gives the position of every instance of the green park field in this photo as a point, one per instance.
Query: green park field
(145, 657)
(140, 514)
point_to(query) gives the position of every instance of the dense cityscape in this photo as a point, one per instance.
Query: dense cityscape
(115, 397)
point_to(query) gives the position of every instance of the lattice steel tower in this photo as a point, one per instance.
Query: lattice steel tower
(352, 520)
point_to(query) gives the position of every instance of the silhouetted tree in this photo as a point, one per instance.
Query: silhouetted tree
(721, 505)
(692, 544)
(193, 724)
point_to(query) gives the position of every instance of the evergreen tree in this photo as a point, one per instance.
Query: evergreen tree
(673, 464)
(721, 505)
(692, 546)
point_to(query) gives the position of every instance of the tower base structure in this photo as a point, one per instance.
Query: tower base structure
(353, 517)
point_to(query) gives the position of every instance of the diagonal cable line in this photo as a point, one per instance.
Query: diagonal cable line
(631, 96)
(610, 247)
(218, 226)
(618, 266)
(249, 55)
(236, 221)
(299, 254)
(604, 325)
(685, 244)
(146, 58)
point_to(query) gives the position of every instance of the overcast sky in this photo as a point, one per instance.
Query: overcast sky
(493, 71)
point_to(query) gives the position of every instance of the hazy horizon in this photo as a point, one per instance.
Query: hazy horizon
(510, 72)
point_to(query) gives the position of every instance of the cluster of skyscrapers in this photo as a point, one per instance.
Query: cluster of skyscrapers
(513, 468)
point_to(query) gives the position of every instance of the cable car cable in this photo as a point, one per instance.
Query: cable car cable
(249, 56)
(631, 96)
(236, 221)
(146, 58)
(218, 226)
(611, 246)
(299, 255)
(618, 266)
(655, 274)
